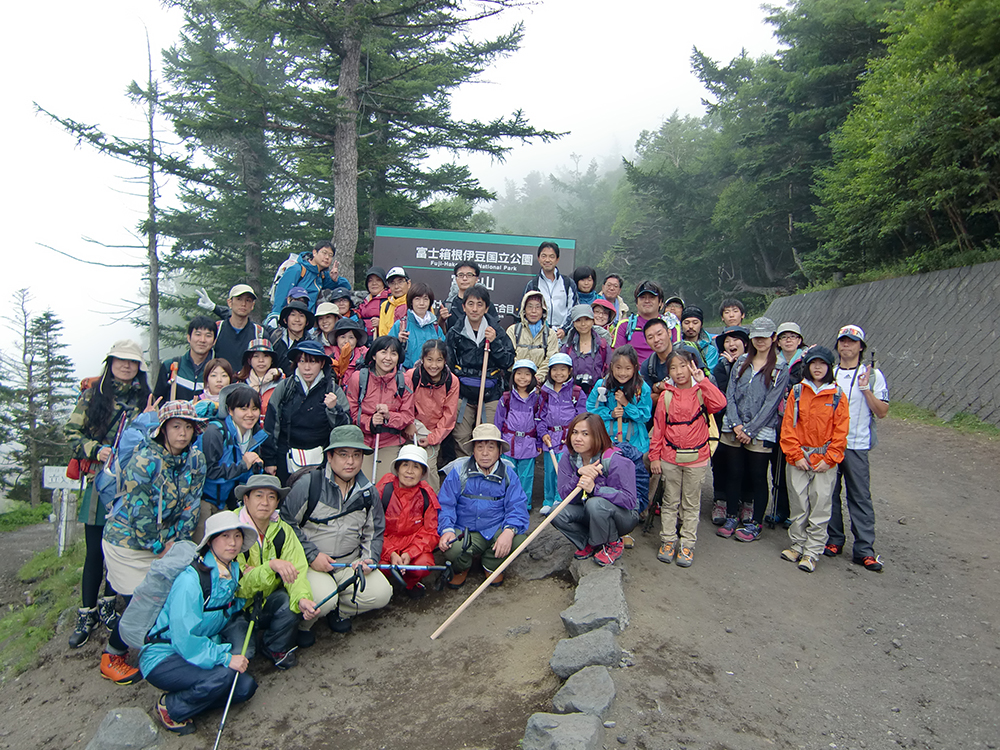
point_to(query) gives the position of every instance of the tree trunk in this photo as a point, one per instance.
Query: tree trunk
(345, 153)
(253, 171)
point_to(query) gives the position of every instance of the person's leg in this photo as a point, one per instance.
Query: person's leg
(93, 565)
(461, 560)
(551, 479)
(433, 479)
(798, 489)
(376, 594)
(820, 496)
(386, 457)
(572, 523)
(735, 460)
(835, 528)
(756, 464)
(413, 577)
(692, 478)
(779, 480)
(857, 480)
(490, 561)
(235, 633)
(322, 585)
(672, 478)
(607, 522)
(526, 474)
(463, 430)
(278, 623)
(192, 690)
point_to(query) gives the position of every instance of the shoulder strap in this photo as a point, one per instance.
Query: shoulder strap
(545, 335)
(386, 496)
(577, 391)
(427, 499)
(518, 327)
(363, 374)
(279, 543)
(205, 579)
(797, 391)
(315, 487)
(400, 384)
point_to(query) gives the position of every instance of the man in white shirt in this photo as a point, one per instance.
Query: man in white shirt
(868, 398)
(559, 291)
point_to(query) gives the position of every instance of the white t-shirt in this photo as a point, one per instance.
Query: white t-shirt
(861, 434)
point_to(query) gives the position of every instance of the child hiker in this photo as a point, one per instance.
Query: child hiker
(813, 439)
(218, 374)
(560, 401)
(679, 451)
(517, 420)
(435, 403)
(623, 398)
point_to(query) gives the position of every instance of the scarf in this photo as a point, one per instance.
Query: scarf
(479, 336)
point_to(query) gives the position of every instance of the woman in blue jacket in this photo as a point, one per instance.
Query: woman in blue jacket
(187, 657)
(419, 326)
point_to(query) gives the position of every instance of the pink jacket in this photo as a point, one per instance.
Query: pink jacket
(435, 406)
(381, 390)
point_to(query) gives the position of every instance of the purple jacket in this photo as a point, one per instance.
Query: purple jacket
(587, 368)
(518, 415)
(557, 411)
(616, 484)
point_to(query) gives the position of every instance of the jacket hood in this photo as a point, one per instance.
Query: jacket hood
(545, 307)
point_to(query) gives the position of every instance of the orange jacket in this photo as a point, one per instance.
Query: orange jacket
(684, 407)
(817, 424)
(408, 527)
(380, 390)
(435, 406)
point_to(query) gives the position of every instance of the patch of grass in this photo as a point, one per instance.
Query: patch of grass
(24, 515)
(54, 585)
(961, 422)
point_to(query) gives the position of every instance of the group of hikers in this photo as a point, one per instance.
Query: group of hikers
(353, 444)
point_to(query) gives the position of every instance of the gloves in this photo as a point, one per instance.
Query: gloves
(204, 301)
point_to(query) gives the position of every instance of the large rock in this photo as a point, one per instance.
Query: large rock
(599, 601)
(550, 553)
(596, 647)
(126, 729)
(589, 691)
(578, 569)
(563, 732)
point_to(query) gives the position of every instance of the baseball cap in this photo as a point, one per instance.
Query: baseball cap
(241, 289)
(396, 271)
(851, 332)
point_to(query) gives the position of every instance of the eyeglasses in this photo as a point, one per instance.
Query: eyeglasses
(465, 275)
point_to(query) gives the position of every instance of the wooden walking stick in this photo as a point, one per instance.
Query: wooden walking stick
(173, 381)
(555, 461)
(482, 384)
(619, 429)
(503, 566)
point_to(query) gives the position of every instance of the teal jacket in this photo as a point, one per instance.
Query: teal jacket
(637, 414)
(419, 335)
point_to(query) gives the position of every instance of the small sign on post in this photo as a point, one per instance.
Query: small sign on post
(63, 503)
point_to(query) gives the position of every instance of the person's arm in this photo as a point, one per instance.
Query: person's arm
(500, 416)
(185, 611)
(601, 408)
(299, 589)
(715, 400)
(515, 505)
(353, 391)
(732, 410)
(618, 486)
(426, 539)
(567, 478)
(877, 393)
(501, 351)
(142, 501)
(770, 406)
(272, 423)
(373, 533)
(184, 526)
(339, 414)
(656, 440)
(212, 444)
(292, 510)
(711, 355)
(83, 445)
(288, 279)
(448, 500)
(789, 441)
(449, 413)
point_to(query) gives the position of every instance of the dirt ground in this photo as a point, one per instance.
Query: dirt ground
(741, 651)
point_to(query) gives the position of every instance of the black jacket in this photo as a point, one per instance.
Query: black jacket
(466, 358)
(297, 420)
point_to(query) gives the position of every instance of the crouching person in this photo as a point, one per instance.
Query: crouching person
(336, 515)
(275, 567)
(482, 496)
(185, 655)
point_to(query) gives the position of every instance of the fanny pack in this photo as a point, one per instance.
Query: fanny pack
(474, 382)
(300, 458)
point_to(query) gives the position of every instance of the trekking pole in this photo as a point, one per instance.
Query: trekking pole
(390, 566)
(374, 457)
(344, 586)
(232, 690)
(173, 381)
(503, 566)
(482, 384)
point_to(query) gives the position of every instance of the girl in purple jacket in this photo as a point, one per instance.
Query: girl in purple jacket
(517, 420)
(561, 400)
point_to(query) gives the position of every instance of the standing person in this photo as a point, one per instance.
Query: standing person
(481, 495)
(675, 306)
(732, 312)
(188, 660)
(532, 337)
(611, 291)
(163, 486)
(868, 400)
(559, 291)
(679, 452)
(790, 351)
(605, 319)
(435, 403)
(648, 299)
(517, 419)
(259, 372)
(343, 301)
(813, 440)
(201, 340)
(623, 394)
(588, 351)
(394, 308)
(120, 394)
(381, 403)
(275, 567)
(693, 333)
(756, 390)
(585, 279)
(234, 334)
(654, 368)
(411, 507)
(378, 293)
(608, 508)
(218, 374)
(351, 348)
(314, 271)
(732, 344)
(419, 326)
(466, 347)
(337, 516)
(560, 401)
(294, 322)
(301, 413)
(467, 275)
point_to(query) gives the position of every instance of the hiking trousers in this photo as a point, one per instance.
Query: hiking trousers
(596, 522)
(464, 427)
(191, 690)
(810, 498)
(376, 595)
(275, 628)
(525, 468)
(681, 500)
(855, 476)
(482, 547)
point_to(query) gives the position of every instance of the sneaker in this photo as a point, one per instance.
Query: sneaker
(498, 581)
(416, 591)
(728, 527)
(585, 553)
(305, 638)
(667, 552)
(609, 553)
(873, 564)
(108, 612)
(86, 620)
(114, 667)
(545, 509)
(790, 555)
(285, 659)
(746, 512)
(748, 532)
(807, 564)
(832, 550)
(685, 557)
(718, 513)
(177, 727)
(337, 623)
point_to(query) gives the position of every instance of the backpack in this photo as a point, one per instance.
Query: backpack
(109, 483)
(219, 489)
(287, 263)
(797, 391)
(364, 501)
(632, 453)
(415, 380)
(505, 400)
(713, 427)
(363, 375)
(519, 326)
(387, 496)
(139, 619)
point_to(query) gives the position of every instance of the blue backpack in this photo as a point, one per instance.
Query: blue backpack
(109, 484)
(632, 453)
(218, 490)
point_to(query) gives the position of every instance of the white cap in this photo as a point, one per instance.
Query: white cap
(396, 271)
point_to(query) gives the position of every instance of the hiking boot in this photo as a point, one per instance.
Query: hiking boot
(337, 623)
(685, 557)
(873, 564)
(458, 579)
(727, 528)
(609, 553)
(108, 612)
(585, 553)
(86, 620)
(305, 638)
(498, 581)
(285, 659)
(718, 513)
(790, 555)
(177, 727)
(629, 541)
(746, 512)
(749, 532)
(667, 552)
(416, 591)
(114, 667)
(545, 509)
(807, 564)
(832, 550)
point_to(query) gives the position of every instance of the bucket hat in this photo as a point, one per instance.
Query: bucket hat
(327, 308)
(790, 328)
(261, 482)
(348, 436)
(178, 410)
(412, 453)
(305, 346)
(609, 306)
(736, 331)
(487, 432)
(258, 345)
(292, 307)
(349, 325)
(581, 311)
(226, 521)
(376, 271)
(128, 350)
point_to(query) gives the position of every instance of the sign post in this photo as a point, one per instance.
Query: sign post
(54, 478)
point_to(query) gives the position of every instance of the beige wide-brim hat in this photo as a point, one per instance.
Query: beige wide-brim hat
(225, 521)
(128, 350)
(489, 432)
